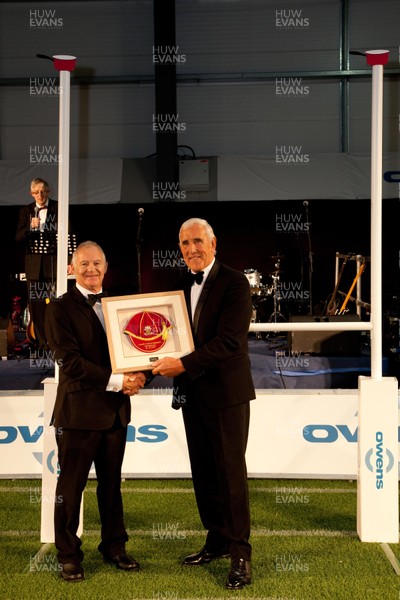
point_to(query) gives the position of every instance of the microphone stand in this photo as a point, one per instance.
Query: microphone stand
(310, 260)
(138, 249)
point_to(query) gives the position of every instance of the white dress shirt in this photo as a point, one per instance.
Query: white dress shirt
(198, 288)
(116, 379)
(42, 214)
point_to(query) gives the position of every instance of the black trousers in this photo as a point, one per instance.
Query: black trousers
(39, 293)
(77, 451)
(217, 442)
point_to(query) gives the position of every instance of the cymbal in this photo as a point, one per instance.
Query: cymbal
(277, 256)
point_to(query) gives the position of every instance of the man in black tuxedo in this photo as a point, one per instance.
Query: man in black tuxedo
(37, 228)
(91, 414)
(214, 386)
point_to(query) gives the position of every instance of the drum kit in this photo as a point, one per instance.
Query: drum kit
(266, 294)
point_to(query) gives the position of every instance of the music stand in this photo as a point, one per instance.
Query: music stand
(45, 242)
(71, 243)
(42, 242)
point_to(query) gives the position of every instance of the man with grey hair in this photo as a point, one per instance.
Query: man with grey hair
(36, 229)
(91, 414)
(213, 385)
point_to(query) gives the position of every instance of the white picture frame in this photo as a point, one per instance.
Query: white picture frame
(143, 328)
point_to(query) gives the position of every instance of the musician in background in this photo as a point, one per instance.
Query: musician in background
(36, 229)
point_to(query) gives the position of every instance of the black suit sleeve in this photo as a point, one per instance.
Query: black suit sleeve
(78, 343)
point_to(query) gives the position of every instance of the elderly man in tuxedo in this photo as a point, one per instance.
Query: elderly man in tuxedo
(36, 229)
(213, 385)
(91, 414)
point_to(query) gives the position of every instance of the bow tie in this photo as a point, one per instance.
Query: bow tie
(197, 277)
(93, 298)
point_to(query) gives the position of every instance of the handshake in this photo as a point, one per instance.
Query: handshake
(133, 382)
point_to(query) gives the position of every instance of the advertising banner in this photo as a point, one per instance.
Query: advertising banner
(293, 433)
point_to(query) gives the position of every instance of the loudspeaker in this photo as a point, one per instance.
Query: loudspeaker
(328, 343)
(7, 339)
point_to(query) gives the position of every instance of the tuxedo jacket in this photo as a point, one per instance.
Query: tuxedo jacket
(38, 266)
(79, 345)
(218, 372)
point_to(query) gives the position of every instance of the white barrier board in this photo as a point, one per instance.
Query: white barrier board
(377, 483)
(293, 433)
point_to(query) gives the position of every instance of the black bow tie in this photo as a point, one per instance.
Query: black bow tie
(93, 298)
(197, 277)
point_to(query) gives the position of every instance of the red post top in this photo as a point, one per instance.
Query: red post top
(377, 57)
(64, 62)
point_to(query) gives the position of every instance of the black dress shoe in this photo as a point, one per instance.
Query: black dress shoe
(123, 561)
(72, 572)
(204, 557)
(239, 575)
